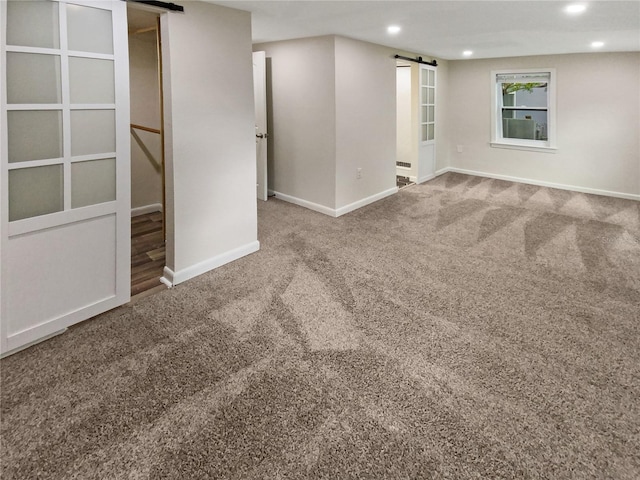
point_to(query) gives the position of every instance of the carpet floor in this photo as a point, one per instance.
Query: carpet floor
(463, 328)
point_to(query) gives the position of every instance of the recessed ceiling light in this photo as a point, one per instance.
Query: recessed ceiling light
(575, 8)
(467, 53)
(393, 29)
(597, 44)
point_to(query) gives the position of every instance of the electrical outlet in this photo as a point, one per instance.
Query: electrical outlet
(460, 148)
(359, 173)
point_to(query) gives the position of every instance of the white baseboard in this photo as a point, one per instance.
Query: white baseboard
(171, 278)
(365, 201)
(154, 207)
(306, 204)
(426, 178)
(167, 277)
(333, 212)
(573, 188)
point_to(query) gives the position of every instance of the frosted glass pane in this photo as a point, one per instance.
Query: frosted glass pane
(430, 131)
(423, 114)
(91, 80)
(432, 78)
(35, 191)
(89, 29)
(424, 78)
(423, 133)
(431, 114)
(34, 135)
(93, 182)
(93, 131)
(431, 96)
(33, 24)
(33, 78)
(424, 95)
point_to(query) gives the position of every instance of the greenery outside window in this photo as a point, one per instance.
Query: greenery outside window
(523, 109)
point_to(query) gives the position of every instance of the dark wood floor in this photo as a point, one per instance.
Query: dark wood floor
(147, 252)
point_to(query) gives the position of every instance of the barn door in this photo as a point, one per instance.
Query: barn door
(427, 146)
(65, 190)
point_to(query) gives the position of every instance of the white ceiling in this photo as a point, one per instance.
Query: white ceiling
(444, 29)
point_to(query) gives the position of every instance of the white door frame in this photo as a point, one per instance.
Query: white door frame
(260, 99)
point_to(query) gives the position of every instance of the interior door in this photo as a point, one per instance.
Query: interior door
(65, 190)
(260, 96)
(427, 146)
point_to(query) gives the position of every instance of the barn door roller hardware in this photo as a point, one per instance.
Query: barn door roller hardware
(153, 3)
(418, 60)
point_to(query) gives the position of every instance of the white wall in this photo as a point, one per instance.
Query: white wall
(598, 120)
(365, 120)
(331, 110)
(146, 153)
(302, 127)
(443, 107)
(210, 136)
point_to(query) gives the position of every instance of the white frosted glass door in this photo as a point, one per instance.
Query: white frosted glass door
(427, 104)
(65, 165)
(427, 121)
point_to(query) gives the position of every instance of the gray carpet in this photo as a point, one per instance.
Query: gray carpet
(463, 328)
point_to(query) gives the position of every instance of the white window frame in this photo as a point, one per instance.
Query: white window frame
(497, 140)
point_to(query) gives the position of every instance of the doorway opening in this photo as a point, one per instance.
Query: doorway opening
(416, 122)
(405, 154)
(148, 255)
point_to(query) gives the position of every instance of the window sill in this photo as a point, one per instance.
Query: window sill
(530, 148)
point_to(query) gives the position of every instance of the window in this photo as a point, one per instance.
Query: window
(523, 109)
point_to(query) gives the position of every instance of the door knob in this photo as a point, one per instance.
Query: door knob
(262, 135)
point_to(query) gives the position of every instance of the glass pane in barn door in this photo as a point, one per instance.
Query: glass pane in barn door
(33, 78)
(26, 126)
(93, 182)
(23, 182)
(33, 24)
(89, 29)
(65, 235)
(91, 80)
(93, 132)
